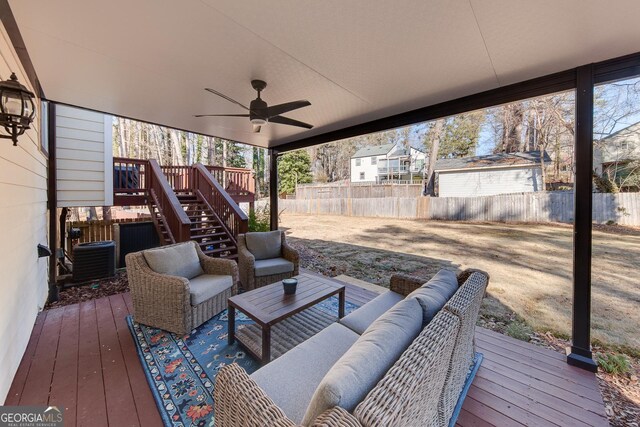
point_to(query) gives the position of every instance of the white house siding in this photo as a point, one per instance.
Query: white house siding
(488, 182)
(84, 160)
(23, 224)
(370, 171)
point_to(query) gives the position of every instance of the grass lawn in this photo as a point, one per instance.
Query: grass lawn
(530, 265)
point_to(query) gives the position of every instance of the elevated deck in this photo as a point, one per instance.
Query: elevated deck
(131, 183)
(82, 357)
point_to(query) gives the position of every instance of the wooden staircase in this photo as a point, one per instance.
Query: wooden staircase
(182, 214)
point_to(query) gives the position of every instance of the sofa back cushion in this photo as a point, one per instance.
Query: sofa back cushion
(434, 294)
(265, 245)
(368, 360)
(175, 260)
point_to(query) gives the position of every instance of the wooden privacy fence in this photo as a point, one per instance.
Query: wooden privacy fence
(357, 191)
(98, 230)
(556, 206)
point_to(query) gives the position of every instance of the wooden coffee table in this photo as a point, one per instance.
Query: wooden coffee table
(269, 305)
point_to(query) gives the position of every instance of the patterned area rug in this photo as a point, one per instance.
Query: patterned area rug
(181, 370)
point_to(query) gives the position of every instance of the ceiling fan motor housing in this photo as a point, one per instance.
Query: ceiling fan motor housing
(258, 112)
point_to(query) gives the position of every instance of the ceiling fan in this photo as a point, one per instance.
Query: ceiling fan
(260, 113)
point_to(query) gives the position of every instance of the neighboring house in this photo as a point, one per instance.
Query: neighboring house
(613, 154)
(489, 175)
(387, 162)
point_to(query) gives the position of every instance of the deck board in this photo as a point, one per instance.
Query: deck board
(92, 407)
(64, 386)
(517, 384)
(121, 409)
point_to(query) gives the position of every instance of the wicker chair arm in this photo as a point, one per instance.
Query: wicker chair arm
(462, 277)
(246, 264)
(246, 256)
(288, 252)
(336, 417)
(404, 284)
(240, 402)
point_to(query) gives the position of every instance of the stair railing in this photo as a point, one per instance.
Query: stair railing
(174, 217)
(228, 211)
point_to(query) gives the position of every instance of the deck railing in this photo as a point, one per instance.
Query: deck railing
(236, 181)
(130, 175)
(180, 177)
(228, 211)
(175, 218)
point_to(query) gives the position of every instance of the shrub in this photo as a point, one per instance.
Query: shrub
(615, 364)
(260, 219)
(519, 330)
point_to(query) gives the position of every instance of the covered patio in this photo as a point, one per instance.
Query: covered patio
(82, 357)
(357, 69)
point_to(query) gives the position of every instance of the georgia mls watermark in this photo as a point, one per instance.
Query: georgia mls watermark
(31, 416)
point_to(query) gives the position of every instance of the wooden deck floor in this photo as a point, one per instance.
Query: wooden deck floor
(82, 357)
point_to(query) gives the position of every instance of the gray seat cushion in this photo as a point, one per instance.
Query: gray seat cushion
(291, 379)
(176, 260)
(206, 286)
(264, 245)
(360, 319)
(267, 267)
(368, 360)
(434, 294)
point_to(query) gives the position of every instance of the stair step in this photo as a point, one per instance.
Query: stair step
(215, 242)
(215, 251)
(204, 236)
(213, 227)
(230, 256)
(194, 220)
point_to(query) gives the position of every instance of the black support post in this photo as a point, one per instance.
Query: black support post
(273, 188)
(52, 197)
(579, 354)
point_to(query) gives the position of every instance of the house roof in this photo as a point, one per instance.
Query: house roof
(378, 150)
(631, 130)
(527, 158)
(151, 61)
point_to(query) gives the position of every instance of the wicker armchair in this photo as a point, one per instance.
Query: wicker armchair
(247, 263)
(164, 301)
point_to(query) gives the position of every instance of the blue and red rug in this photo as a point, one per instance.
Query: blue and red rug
(181, 370)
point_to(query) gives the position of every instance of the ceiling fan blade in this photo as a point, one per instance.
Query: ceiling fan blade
(221, 115)
(222, 95)
(256, 128)
(276, 110)
(287, 121)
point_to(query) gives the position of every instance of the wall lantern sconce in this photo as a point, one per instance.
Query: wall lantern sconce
(17, 109)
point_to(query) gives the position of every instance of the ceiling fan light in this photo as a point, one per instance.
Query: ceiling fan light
(258, 121)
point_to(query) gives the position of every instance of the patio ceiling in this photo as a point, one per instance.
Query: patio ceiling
(355, 61)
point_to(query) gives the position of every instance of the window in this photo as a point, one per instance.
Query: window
(361, 176)
(374, 160)
(357, 162)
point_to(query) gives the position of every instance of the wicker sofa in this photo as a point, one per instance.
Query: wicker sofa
(182, 289)
(264, 258)
(379, 366)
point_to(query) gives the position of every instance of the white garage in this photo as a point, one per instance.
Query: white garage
(490, 175)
